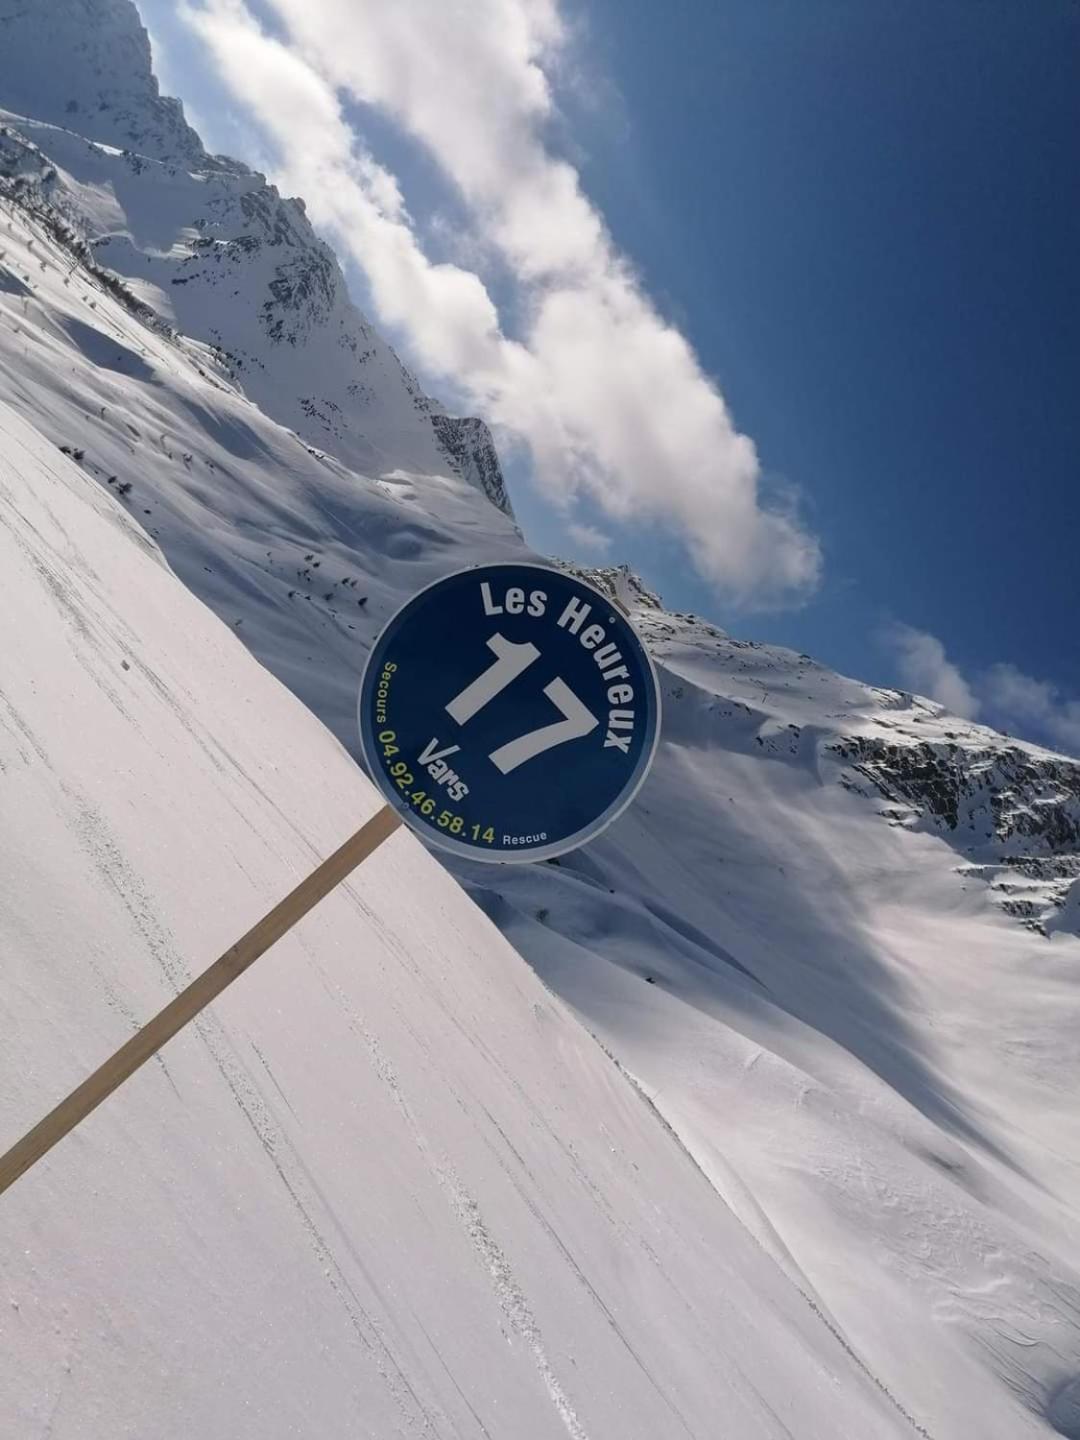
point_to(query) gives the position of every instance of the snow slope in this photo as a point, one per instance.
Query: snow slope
(876, 1066)
(835, 937)
(387, 1186)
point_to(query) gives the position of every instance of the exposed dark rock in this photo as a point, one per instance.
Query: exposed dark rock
(471, 451)
(1012, 812)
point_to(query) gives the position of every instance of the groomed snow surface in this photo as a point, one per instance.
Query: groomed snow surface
(388, 1186)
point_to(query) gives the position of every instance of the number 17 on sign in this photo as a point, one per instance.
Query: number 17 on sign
(536, 730)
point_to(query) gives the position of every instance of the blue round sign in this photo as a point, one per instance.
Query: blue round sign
(509, 712)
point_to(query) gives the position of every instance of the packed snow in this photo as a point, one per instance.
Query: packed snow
(388, 1185)
(831, 950)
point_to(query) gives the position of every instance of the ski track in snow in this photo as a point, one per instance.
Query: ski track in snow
(511, 1299)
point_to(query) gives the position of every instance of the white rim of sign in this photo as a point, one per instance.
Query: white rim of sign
(559, 847)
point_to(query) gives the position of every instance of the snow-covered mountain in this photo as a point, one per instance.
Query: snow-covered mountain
(213, 249)
(834, 941)
(362, 1197)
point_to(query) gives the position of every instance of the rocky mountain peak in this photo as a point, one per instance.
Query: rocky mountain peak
(86, 65)
(214, 249)
(624, 585)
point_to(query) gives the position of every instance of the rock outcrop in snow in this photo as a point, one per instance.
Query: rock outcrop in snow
(1010, 810)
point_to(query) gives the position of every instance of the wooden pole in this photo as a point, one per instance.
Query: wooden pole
(168, 1022)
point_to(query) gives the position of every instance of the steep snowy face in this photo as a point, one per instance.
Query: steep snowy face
(303, 555)
(85, 64)
(213, 248)
(1010, 810)
(873, 1059)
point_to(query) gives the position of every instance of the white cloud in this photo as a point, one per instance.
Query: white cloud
(610, 399)
(1029, 704)
(589, 538)
(1003, 695)
(925, 668)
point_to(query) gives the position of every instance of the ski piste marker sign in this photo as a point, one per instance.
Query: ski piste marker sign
(545, 711)
(509, 712)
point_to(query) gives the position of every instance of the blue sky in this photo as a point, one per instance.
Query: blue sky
(863, 216)
(866, 216)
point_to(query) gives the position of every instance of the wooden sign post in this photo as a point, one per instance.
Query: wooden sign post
(447, 750)
(170, 1021)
